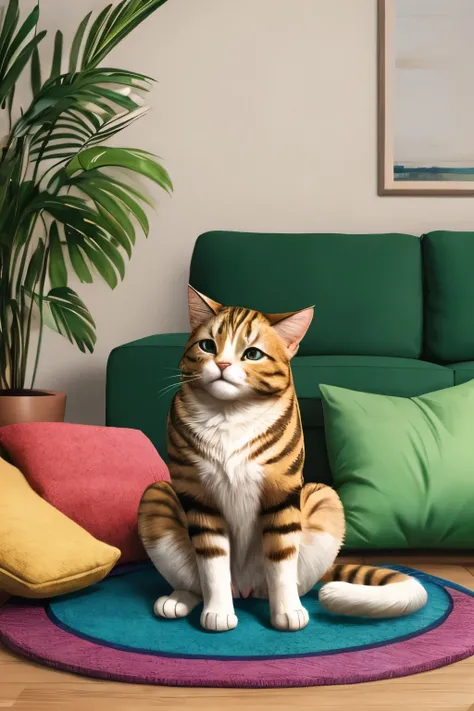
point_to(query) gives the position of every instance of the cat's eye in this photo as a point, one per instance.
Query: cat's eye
(208, 346)
(253, 354)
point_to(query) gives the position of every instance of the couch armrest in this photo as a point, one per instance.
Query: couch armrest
(137, 372)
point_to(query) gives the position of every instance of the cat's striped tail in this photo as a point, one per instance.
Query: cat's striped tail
(366, 591)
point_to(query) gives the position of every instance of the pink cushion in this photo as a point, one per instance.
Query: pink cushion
(94, 475)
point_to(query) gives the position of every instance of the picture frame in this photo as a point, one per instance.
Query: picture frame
(416, 155)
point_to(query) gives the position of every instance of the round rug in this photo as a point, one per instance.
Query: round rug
(109, 631)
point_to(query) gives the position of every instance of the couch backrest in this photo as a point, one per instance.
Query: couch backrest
(366, 288)
(448, 270)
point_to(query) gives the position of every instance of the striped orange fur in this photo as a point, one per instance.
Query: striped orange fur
(236, 516)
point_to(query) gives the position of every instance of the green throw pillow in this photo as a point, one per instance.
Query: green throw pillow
(403, 467)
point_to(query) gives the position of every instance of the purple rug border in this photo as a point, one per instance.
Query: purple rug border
(316, 671)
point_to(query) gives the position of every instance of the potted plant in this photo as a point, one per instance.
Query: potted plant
(63, 208)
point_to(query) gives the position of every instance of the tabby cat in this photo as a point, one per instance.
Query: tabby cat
(237, 520)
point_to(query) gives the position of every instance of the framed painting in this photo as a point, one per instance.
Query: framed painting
(426, 97)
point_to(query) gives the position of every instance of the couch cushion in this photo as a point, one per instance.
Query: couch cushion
(403, 467)
(463, 372)
(367, 288)
(385, 376)
(140, 375)
(448, 259)
(94, 475)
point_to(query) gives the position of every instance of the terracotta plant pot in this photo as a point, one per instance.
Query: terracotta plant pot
(31, 406)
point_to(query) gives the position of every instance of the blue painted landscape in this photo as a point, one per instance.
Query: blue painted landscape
(402, 172)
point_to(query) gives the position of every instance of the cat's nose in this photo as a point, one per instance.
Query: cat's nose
(222, 366)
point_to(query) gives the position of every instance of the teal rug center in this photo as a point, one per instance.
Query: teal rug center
(119, 612)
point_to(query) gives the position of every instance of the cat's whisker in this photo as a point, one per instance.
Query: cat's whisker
(164, 391)
(170, 386)
(188, 379)
(184, 377)
(169, 389)
(180, 374)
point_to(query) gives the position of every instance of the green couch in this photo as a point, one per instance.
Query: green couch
(394, 314)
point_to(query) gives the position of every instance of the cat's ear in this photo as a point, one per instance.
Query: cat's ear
(292, 327)
(201, 308)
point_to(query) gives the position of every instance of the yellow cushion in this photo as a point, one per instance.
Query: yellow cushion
(42, 552)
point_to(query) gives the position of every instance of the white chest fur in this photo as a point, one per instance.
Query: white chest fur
(234, 479)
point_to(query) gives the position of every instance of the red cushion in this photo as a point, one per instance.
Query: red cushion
(94, 475)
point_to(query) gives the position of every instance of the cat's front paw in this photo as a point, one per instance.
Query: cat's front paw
(291, 620)
(178, 604)
(218, 621)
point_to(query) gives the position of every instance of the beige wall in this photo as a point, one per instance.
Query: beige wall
(265, 115)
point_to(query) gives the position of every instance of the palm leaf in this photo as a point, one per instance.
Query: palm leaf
(35, 72)
(127, 158)
(55, 134)
(111, 75)
(114, 97)
(118, 11)
(73, 241)
(11, 96)
(101, 263)
(94, 34)
(90, 231)
(109, 251)
(28, 26)
(72, 125)
(57, 264)
(129, 188)
(53, 148)
(114, 219)
(7, 169)
(107, 201)
(130, 15)
(49, 140)
(67, 314)
(132, 205)
(9, 24)
(85, 100)
(57, 55)
(69, 211)
(84, 118)
(34, 267)
(118, 123)
(62, 96)
(77, 42)
(115, 231)
(18, 65)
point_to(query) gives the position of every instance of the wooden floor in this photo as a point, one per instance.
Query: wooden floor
(25, 686)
